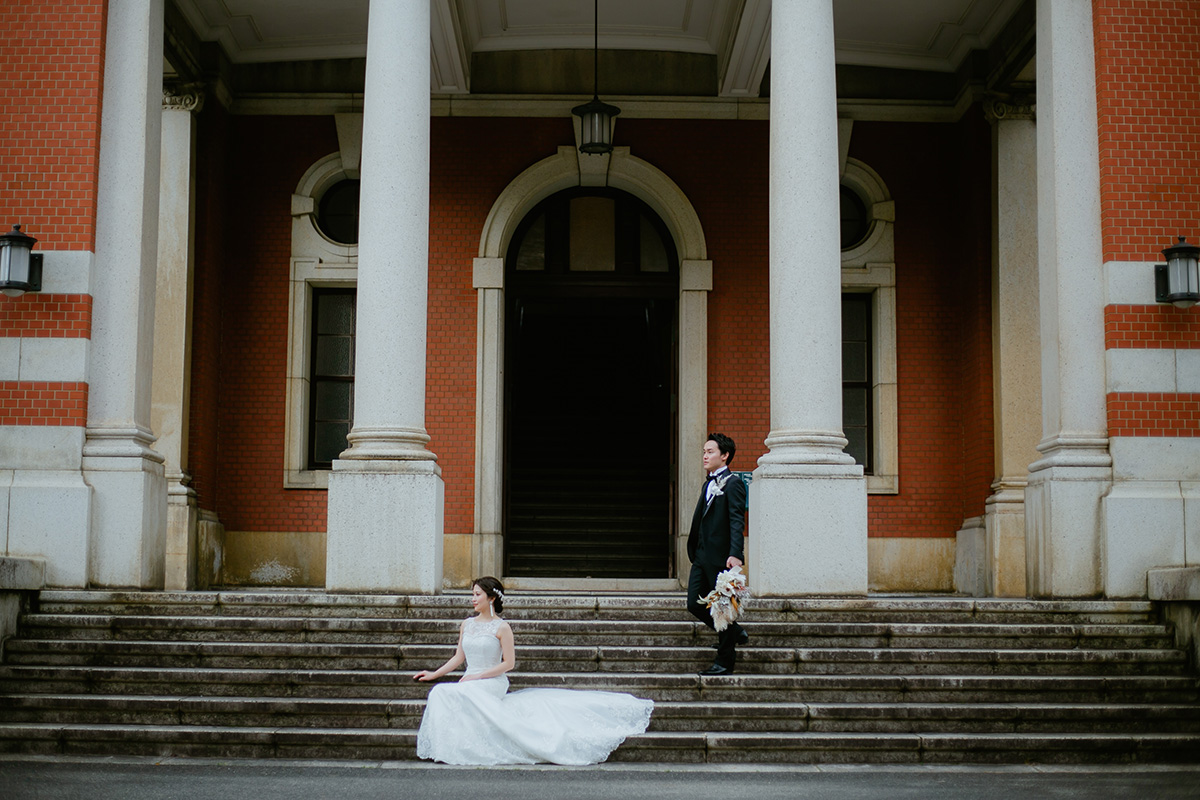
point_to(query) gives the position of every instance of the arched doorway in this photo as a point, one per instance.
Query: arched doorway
(592, 280)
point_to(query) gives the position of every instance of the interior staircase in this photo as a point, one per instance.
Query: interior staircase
(877, 679)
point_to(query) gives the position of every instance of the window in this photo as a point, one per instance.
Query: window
(337, 213)
(331, 406)
(592, 235)
(857, 414)
(855, 222)
(869, 392)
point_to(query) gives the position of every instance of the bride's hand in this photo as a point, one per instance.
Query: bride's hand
(423, 675)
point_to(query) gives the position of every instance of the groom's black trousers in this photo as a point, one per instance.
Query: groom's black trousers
(701, 581)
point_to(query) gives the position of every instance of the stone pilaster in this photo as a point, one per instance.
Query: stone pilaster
(173, 326)
(808, 523)
(1016, 361)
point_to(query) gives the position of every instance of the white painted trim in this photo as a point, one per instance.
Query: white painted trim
(543, 179)
(66, 271)
(1140, 370)
(1187, 370)
(870, 267)
(1129, 283)
(316, 261)
(45, 359)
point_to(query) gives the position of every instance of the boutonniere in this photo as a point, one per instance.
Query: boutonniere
(718, 485)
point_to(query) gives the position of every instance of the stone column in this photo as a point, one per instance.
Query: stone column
(808, 506)
(129, 505)
(1063, 498)
(386, 492)
(1016, 360)
(173, 328)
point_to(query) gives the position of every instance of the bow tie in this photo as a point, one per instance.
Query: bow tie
(710, 479)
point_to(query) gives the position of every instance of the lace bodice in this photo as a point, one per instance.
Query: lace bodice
(481, 645)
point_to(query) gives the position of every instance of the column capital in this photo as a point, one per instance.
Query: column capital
(996, 109)
(187, 97)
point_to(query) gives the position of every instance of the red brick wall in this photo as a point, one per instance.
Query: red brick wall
(943, 298)
(51, 63)
(465, 179)
(1148, 90)
(1157, 327)
(729, 194)
(43, 403)
(42, 316)
(212, 188)
(50, 81)
(1165, 414)
(942, 273)
(975, 318)
(1148, 93)
(266, 158)
(936, 174)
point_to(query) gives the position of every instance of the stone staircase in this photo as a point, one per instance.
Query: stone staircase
(879, 679)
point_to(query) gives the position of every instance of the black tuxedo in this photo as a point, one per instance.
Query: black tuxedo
(718, 531)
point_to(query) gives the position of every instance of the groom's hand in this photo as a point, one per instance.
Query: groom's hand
(732, 561)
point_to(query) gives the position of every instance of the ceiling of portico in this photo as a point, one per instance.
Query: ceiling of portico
(933, 36)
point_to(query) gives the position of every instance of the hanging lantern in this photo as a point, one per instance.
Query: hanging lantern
(596, 117)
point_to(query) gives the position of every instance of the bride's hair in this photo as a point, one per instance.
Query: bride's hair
(494, 589)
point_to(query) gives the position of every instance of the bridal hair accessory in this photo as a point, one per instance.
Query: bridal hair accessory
(727, 598)
(499, 594)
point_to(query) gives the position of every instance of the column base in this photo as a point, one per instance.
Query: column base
(182, 524)
(808, 530)
(1143, 529)
(210, 550)
(971, 558)
(385, 527)
(48, 515)
(1063, 530)
(1004, 542)
(129, 521)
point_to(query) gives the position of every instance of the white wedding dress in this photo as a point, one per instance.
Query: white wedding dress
(480, 722)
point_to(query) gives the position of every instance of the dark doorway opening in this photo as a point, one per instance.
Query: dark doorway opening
(589, 390)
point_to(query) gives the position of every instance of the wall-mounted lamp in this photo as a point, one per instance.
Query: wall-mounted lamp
(1178, 281)
(596, 117)
(20, 269)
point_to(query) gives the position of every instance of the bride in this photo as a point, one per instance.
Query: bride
(476, 721)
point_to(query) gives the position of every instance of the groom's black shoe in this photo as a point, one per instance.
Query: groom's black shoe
(718, 669)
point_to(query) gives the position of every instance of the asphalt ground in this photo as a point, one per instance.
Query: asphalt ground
(65, 778)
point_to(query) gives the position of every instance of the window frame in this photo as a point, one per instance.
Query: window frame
(315, 295)
(869, 267)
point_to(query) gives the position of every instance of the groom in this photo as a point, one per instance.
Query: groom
(715, 543)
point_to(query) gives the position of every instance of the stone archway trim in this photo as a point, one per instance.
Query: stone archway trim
(481, 553)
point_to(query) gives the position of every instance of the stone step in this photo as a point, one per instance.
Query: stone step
(308, 656)
(682, 747)
(651, 633)
(668, 716)
(612, 606)
(760, 688)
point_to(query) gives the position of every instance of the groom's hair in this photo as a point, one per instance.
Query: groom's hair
(725, 445)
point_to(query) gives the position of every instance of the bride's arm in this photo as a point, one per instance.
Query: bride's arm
(508, 656)
(455, 661)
